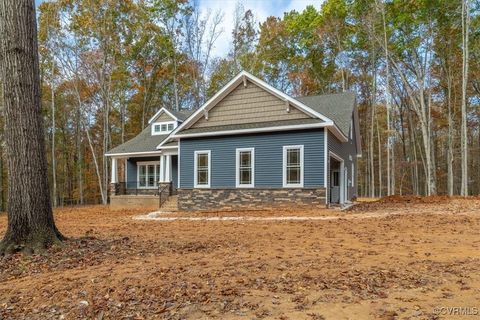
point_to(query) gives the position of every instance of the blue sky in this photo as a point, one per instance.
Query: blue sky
(261, 9)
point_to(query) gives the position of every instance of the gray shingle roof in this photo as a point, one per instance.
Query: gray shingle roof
(254, 125)
(337, 107)
(143, 142)
(182, 114)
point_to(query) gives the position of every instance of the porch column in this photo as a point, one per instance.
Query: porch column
(168, 168)
(114, 178)
(162, 168)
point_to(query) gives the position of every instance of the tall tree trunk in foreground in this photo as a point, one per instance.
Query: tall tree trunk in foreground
(31, 227)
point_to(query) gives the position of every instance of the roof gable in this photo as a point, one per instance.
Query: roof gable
(165, 114)
(244, 77)
(163, 117)
(248, 103)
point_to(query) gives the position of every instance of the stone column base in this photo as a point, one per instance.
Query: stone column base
(114, 189)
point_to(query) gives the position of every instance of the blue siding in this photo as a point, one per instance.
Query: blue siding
(175, 171)
(348, 152)
(268, 158)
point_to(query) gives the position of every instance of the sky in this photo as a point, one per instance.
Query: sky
(260, 8)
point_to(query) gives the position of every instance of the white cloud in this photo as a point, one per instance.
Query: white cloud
(260, 8)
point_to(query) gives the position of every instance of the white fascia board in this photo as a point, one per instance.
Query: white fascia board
(166, 140)
(163, 109)
(129, 154)
(338, 133)
(256, 130)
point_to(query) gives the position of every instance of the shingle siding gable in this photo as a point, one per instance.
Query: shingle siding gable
(249, 104)
(164, 117)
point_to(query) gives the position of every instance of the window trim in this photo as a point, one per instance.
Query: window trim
(155, 173)
(237, 167)
(195, 169)
(284, 167)
(353, 175)
(166, 123)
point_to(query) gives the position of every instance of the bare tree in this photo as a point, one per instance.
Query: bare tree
(201, 33)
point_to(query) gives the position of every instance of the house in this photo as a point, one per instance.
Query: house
(249, 146)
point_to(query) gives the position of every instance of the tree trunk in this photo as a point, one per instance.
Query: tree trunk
(54, 164)
(463, 136)
(31, 227)
(450, 157)
(372, 127)
(380, 165)
(390, 179)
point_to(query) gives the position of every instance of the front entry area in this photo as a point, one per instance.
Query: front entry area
(144, 181)
(336, 181)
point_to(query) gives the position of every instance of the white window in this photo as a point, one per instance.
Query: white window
(293, 166)
(163, 127)
(147, 174)
(245, 168)
(202, 165)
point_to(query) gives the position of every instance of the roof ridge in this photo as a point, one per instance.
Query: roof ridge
(325, 95)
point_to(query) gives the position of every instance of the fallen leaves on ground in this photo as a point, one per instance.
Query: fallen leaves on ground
(114, 267)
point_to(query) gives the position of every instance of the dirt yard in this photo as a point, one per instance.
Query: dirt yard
(392, 259)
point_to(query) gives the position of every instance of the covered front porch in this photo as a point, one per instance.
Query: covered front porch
(143, 179)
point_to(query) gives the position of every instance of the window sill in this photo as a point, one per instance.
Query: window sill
(245, 186)
(202, 187)
(293, 185)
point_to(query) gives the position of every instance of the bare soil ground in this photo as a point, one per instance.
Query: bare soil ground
(406, 258)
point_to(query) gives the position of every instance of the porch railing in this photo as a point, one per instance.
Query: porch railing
(133, 188)
(163, 190)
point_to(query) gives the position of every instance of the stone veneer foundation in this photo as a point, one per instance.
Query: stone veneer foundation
(234, 199)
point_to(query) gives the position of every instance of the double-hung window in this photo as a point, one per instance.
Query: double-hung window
(293, 166)
(148, 174)
(202, 165)
(245, 168)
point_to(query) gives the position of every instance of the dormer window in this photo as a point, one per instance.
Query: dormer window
(159, 128)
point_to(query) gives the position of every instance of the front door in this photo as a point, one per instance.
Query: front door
(335, 186)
